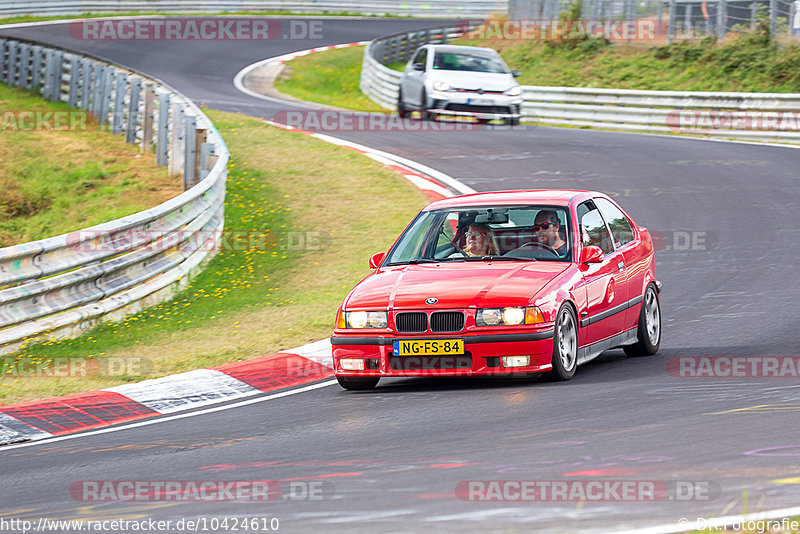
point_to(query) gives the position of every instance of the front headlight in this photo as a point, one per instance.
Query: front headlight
(514, 91)
(366, 319)
(441, 86)
(508, 316)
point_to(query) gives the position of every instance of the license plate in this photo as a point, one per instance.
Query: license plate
(479, 101)
(427, 347)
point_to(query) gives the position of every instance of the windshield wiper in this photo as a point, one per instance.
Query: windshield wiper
(497, 258)
(414, 261)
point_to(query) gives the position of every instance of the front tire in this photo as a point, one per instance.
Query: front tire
(358, 383)
(649, 329)
(401, 108)
(565, 344)
(424, 114)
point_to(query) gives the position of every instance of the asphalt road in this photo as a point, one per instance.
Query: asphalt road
(392, 458)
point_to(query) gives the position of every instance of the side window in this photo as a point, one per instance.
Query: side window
(421, 57)
(620, 227)
(593, 229)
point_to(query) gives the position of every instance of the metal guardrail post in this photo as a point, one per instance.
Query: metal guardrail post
(118, 114)
(74, 81)
(147, 119)
(687, 20)
(133, 110)
(206, 152)
(11, 65)
(48, 65)
(671, 27)
(25, 64)
(189, 151)
(86, 83)
(200, 138)
(36, 68)
(162, 140)
(773, 18)
(176, 144)
(98, 80)
(58, 72)
(108, 87)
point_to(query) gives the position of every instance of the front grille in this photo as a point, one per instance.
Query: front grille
(411, 322)
(478, 109)
(416, 363)
(447, 321)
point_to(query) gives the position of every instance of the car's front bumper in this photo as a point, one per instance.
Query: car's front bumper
(482, 106)
(483, 354)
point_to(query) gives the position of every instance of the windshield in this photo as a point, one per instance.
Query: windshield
(471, 62)
(511, 233)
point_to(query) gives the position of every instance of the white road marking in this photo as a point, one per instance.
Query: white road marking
(171, 417)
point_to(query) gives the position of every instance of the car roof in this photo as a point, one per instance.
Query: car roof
(553, 197)
(461, 48)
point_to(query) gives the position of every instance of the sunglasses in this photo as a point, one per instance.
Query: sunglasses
(476, 234)
(543, 226)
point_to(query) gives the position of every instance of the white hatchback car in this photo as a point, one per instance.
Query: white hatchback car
(460, 80)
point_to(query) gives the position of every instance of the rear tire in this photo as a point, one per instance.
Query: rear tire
(358, 383)
(565, 344)
(649, 329)
(514, 121)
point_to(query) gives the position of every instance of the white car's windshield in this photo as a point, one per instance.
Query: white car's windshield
(470, 62)
(513, 233)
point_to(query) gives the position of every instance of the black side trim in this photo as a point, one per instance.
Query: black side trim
(613, 311)
(489, 338)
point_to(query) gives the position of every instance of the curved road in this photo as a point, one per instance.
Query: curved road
(391, 458)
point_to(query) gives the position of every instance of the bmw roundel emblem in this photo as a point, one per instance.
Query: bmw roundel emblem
(432, 300)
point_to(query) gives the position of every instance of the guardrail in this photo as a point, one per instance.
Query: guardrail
(63, 285)
(413, 8)
(754, 116)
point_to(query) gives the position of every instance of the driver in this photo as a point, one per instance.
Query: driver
(480, 241)
(546, 228)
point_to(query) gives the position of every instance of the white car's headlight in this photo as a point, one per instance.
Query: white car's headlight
(508, 316)
(441, 86)
(366, 319)
(514, 91)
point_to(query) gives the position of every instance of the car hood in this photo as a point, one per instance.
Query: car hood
(475, 80)
(455, 285)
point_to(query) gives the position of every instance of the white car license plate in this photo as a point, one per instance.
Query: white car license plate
(479, 101)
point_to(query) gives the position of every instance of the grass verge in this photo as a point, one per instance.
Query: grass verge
(312, 237)
(331, 78)
(58, 180)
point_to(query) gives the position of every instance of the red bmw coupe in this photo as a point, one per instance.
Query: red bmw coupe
(502, 283)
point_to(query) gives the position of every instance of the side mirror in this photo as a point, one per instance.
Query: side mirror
(591, 254)
(418, 66)
(515, 73)
(377, 258)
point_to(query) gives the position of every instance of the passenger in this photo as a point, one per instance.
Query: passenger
(480, 241)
